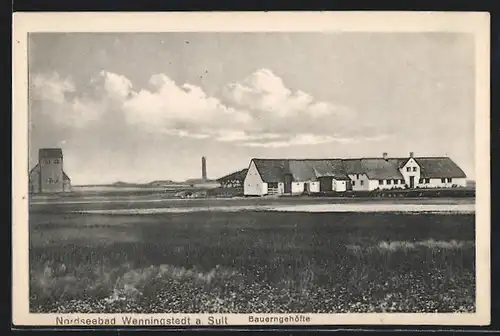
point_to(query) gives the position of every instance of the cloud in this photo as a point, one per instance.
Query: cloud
(54, 98)
(118, 87)
(273, 105)
(50, 87)
(311, 139)
(258, 111)
(184, 109)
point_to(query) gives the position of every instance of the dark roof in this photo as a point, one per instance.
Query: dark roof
(381, 169)
(274, 170)
(239, 175)
(53, 153)
(353, 166)
(271, 170)
(330, 168)
(439, 167)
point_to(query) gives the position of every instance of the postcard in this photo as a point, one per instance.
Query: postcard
(250, 169)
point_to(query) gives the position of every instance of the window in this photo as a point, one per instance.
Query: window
(449, 179)
(402, 181)
(389, 181)
(361, 182)
(380, 181)
(56, 161)
(408, 169)
(357, 176)
(443, 180)
(396, 181)
(427, 180)
(414, 169)
(46, 161)
(421, 180)
(353, 183)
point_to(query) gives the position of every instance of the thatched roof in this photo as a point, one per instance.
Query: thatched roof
(439, 167)
(274, 170)
(239, 175)
(381, 169)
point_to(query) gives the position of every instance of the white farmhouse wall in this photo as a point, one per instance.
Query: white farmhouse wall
(339, 185)
(314, 186)
(297, 187)
(438, 183)
(360, 182)
(372, 184)
(394, 184)
(461, 182)
(411, 163)
(253, 185)
(281, 188)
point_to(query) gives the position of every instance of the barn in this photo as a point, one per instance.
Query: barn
(233, 180)
(48, 175)
(297, 176)
(285, 176)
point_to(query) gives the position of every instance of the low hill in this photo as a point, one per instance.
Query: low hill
(199, 181)
(126, 184)
(238, 175)
(161, 183)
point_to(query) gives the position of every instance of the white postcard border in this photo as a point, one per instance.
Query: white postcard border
(477, 23)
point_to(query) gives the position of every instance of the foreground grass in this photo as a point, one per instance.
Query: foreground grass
(252, 262)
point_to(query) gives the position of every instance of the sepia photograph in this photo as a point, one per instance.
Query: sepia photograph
(276, 174)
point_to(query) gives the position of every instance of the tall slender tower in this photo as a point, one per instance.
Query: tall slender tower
(203, 168)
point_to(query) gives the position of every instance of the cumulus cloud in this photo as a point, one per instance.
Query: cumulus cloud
(55, 98)
(258, 111)
(169, 107)
(311, 139)
(273, 105)
(51, 87)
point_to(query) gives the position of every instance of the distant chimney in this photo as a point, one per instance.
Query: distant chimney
(411, 154)
(384, 156)
(203, 168)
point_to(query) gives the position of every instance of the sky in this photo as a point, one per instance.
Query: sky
(139, 107)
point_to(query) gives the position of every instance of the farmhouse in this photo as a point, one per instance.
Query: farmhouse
(48, 175)
(296, 176)
(233, 180)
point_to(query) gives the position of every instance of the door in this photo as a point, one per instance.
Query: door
(288, 184)
(348, 185)
(325, 184)
(412, 181)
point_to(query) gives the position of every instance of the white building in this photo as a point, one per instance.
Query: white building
(297, 176)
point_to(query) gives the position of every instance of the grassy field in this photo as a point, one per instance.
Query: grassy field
(250, 261)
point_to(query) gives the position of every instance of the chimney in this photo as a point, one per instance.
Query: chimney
(384, 155)
(411, 154)
(203, 168)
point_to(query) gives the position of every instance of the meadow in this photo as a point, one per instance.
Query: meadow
(250, 261)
